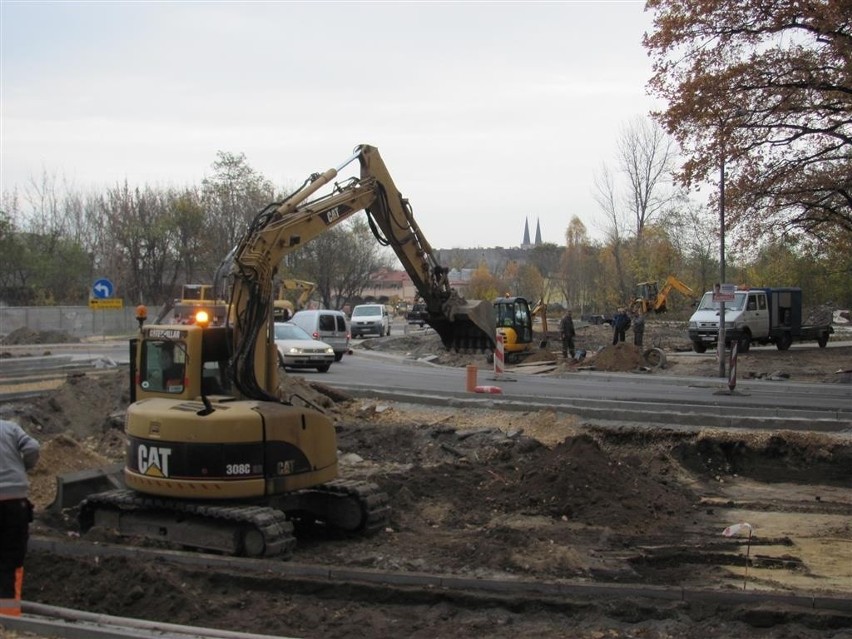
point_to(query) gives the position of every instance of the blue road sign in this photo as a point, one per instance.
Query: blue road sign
(102, 289)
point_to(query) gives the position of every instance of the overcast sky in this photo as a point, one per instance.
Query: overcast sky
(486, 113)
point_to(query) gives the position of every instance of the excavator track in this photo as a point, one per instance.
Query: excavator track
(347, 507)
(244, 530)
(373, 503)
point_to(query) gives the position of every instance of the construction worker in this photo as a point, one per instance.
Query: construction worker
(638, 327)
(620, 324)
(567, 333)
(18, 454)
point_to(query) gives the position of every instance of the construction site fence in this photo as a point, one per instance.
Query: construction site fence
(78, 321)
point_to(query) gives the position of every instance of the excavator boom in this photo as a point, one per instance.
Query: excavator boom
(283, 227)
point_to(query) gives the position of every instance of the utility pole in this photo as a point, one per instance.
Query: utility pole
(721, 338)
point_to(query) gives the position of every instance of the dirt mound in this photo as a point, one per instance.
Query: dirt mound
(619, 357)
(60, 455)
(803, 458)
(576, 481)
(24, 335)
(87, 404)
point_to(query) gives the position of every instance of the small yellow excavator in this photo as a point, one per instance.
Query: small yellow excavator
(515, 323)
(651, 298)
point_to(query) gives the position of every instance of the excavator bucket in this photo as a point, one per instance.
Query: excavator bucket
(72, 488)
(466, 325)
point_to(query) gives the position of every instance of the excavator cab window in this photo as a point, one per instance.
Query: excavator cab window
(515, 313)
(163, 366)
(505, 315)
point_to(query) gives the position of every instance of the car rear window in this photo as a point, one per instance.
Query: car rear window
(341, 324)
(326, 322)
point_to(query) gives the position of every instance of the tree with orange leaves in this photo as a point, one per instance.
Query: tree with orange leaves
(766, 87)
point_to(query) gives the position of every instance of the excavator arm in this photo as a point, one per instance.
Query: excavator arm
(305, 288)
(284, 226)
(671, 283)
(461, 324)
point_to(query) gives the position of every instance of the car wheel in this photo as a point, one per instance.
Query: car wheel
(745, 343)
(784, 342)
(324, 368)
(822, 340)
(699, 347)
(338, 357)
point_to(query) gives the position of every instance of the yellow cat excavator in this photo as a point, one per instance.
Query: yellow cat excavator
(219, 457)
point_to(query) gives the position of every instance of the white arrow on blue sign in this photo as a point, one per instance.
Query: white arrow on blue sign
(102, 288)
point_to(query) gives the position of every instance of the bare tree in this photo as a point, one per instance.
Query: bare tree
(614, 212)
(231, 198)
(145, 257)
(646, 158)
(341, 261)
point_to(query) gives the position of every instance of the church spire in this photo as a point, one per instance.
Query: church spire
(526, 241)
(538, 232)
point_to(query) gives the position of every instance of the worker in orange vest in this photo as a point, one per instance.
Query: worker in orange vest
(18, 454)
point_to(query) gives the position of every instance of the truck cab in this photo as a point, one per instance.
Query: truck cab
(746, 320)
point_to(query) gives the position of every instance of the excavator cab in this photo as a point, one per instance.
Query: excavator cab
(514, 323)
(180, 362)
(646, 297)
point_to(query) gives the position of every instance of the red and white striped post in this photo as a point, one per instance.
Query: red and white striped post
(499, 357)
(732, 377)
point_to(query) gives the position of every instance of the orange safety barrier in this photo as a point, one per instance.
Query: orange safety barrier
(471, 377)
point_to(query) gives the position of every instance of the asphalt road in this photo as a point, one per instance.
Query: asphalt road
(617, 396)
(633, 397)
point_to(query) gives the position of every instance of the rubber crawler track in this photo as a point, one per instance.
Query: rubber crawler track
(372, 501)
(272, 524)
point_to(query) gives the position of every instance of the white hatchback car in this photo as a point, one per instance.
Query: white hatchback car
(297, 349)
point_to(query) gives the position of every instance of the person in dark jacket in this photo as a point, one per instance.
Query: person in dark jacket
(638, 327)
(620, 324)
(18, 454)
(567, 333)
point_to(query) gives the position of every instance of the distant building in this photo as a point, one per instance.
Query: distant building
(388, 284)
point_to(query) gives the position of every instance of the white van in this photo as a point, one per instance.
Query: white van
(326, 326)
(370, 318)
